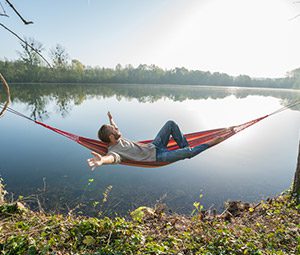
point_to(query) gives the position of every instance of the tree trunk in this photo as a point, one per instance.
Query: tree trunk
(296, 185)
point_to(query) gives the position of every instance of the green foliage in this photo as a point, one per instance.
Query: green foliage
(60, 57)
(198, 207)
(139, 213)
(271, 228)
(295, 76)
(7, 209)
(76, 72)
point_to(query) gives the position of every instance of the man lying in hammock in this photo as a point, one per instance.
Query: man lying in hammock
(119, 148)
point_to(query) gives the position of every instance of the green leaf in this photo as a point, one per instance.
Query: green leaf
(95, 203)
(196, 204)
(138, 214)
(89, 240)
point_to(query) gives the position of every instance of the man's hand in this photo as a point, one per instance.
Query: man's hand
(111, 121)
(109, 115)
(97, 160)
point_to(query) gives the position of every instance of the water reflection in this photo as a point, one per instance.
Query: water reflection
(258, 163)
(38, 96)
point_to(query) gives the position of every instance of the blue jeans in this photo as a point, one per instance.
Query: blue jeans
(162, 139)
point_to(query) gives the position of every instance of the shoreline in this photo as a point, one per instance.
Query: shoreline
(157, 84)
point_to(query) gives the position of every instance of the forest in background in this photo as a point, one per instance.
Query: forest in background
(30, 67)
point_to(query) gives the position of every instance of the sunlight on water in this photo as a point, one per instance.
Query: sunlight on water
(253, 164)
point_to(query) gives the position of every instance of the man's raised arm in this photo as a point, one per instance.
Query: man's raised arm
(111, 121)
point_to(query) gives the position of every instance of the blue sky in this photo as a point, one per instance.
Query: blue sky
(254, 37)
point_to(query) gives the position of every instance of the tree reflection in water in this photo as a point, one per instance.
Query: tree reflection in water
(64, 96)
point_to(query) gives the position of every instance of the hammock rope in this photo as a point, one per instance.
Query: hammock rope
(8, 109)
(291, 105)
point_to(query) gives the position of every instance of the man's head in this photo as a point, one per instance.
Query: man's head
(108, 134)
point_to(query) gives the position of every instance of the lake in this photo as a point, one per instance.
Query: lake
(51, 172)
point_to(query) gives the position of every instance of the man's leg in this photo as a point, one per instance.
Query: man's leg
(163, 136)
(175, 155)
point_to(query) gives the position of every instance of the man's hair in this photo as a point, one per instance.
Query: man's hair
(104, 133)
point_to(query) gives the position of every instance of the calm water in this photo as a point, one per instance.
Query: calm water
(254, 164)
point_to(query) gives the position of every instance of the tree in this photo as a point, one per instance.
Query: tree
(243, 80)
(295, 76)
(77, 66)
(29, 55)
(59, 56)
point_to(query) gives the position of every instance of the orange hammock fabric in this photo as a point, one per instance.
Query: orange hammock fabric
(193, 139)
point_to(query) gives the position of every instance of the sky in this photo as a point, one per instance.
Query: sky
(258, 38)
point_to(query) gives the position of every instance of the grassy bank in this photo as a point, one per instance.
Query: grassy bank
(270, 227)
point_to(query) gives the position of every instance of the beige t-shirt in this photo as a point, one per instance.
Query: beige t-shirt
(128, 150)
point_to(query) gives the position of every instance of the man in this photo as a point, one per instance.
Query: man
(120, 148)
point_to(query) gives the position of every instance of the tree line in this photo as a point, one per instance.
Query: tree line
(30, 67)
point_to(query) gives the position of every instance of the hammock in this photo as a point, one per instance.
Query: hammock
(193, 139)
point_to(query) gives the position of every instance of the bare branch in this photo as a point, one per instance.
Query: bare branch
(26, 44)
(295, 17)
(6, 87)
(4, 13)
(15, 10)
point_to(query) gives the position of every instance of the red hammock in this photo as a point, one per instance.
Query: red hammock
(193, 139)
